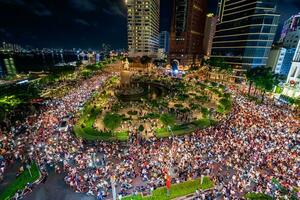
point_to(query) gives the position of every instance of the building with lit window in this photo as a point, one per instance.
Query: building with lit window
(284, 61)
(164, 41)
(290, 33)
(209, 33)
(1, 70)
(143, 27)
(292, 87)
(187, 31)
(245, 31)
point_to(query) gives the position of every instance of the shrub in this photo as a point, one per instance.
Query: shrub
(167, 119)
(112, 121)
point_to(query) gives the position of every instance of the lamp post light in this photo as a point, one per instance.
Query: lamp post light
(113, 187)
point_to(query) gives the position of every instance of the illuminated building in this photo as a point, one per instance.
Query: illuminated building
(245, 32)
(187, 31)
(143, 27)
(209, 33)
(292, 87)
(164, 41)
(290, 33)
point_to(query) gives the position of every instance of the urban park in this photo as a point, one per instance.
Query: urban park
(115, 130)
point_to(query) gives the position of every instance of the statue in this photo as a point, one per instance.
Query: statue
(126, 64)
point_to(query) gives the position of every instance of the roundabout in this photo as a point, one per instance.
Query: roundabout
(147, 107)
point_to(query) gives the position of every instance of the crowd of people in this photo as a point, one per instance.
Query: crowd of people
(254, 149)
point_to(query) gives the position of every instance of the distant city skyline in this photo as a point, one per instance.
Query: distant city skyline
(84, 23)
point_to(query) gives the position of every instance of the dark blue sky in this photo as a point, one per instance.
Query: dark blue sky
(81, 23)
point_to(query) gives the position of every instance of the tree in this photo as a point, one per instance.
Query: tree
(167, 120)
(297, 104)
(265, 81)
(141, 128)
(112, 121)
(253, 75)
(7, 105)
(219, 63)
(145, 60)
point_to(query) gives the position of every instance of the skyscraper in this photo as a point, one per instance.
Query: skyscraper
(292, 87)
(1, 70)
(284, 61)
(246, 31)
(290, 33)
(209, 33)
(143, 27)
(187, 31)
(164, 41)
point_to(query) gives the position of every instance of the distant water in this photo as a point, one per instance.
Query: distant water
(37, 62)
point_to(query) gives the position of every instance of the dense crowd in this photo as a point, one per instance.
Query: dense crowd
(250, 150)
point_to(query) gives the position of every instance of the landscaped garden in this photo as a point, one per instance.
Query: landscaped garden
(85, 125)
(151, 106)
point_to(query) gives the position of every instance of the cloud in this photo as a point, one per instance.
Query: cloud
(113, 8)
(83, 5)
(40, 9)
(35, 7)
(82, 22)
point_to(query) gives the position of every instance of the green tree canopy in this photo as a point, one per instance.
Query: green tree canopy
(112, 121)
(145, 60)
(167, 120)
(219, 63)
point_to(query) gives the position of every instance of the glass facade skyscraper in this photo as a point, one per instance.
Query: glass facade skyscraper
(164, 41)
(245, 32)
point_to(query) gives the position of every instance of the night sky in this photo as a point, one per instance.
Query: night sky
(82, 23)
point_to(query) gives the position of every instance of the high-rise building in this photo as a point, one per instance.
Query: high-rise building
(1, 71)
(245, 32)
(187, 31)
(164, 41)
(10, 66)
(292, 87)
(143, 27)
(284, 61)
(290, 33)
(209, 33)
(273, 57)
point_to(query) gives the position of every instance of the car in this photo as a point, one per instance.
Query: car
(63, 126)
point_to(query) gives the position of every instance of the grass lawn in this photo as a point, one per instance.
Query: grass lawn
(20, 182)
(177, 190)
(184, 129)
(258, 196)
(177, 130)
(84, 128)
(91, 134)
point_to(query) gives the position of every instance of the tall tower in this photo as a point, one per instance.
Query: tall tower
(292, 87)
(245, 32)
(210, 29)
(290, 33)
(164, 41)
(187, 31)
(143, 27)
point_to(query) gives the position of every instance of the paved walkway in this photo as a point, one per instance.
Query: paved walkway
(9, 175)
(56, 189)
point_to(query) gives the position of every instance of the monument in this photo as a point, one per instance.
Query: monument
(125, 74)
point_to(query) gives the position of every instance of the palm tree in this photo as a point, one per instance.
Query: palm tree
(252, 76)
(265, 81)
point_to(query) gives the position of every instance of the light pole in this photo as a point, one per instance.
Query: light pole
(113, 187)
